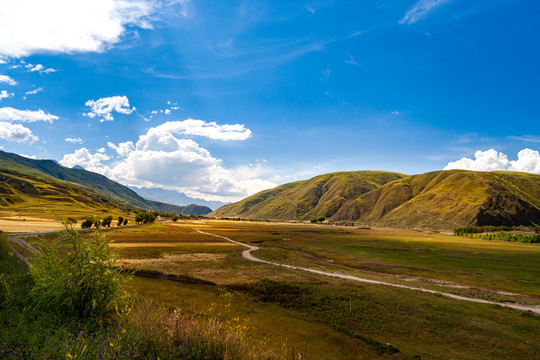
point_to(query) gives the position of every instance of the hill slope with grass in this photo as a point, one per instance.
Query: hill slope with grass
(439, 199)
(50, 172)
(322, 195)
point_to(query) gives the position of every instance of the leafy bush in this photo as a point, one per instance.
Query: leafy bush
(77, 276)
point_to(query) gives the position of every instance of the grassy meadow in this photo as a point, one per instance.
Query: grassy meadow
(322, 317)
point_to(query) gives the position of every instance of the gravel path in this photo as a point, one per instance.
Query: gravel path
(247, 255)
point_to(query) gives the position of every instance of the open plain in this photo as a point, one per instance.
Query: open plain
(323, 317)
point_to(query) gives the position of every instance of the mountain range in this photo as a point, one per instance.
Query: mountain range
(439, 199)
(25, 180)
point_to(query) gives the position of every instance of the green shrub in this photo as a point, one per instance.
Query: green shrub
(77, 276)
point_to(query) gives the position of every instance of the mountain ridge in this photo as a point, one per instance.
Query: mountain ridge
(437, 199)
(49, 169)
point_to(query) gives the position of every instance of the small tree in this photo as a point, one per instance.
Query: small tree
(120, 221)
(71, 220)
(175, 217)
(87, 223)
(107, 221)
(125, 221)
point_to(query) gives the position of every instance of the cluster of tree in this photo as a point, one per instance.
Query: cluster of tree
(90, 222)
(97, 223)
(463, 231)
(145, 217)
(318, 219)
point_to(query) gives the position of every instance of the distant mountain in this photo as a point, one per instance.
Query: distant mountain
(99, 183)
(440, 199)
(173, 197)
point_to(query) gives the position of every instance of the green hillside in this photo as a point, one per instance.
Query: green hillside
(39, 193)
(322, 195)
(48, 169)
(440, 199)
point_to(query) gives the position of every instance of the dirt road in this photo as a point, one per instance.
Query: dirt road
(247, 255)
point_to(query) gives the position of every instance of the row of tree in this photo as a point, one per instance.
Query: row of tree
(97, 223)
(142, 217)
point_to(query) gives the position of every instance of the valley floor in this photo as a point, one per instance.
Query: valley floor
(324, 317)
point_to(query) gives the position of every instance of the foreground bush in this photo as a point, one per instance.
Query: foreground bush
(77, 276)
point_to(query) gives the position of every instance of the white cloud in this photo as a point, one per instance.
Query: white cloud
(28, 156)
(32, 92)
(528, 161)
(40, 68)
(35, 91)
(11, 114)
(6, 79)
(123, 149)
(5, 95)
(84, 158)
(16, 132)
(420, 10)
(74, 140)
(101, 150)
(210, 130)
(67, 26)
(491, 160)
(105, 106)
(162, 159)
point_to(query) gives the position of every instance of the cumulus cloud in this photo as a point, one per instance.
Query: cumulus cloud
(6, 79)
(123, 149)
(11, 114)
(420, 10)
(66, 26)
(16, 132)
(84, 158)
(162, 159)
(4, 95)
(74, 140)
(105, 106)
(491, 160)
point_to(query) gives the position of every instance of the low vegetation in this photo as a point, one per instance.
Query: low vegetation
(77, 308)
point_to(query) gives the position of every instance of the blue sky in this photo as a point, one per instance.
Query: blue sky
(218, 100)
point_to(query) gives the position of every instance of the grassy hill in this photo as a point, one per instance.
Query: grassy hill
(35, 193)
(439, 199)
(322, 195)
(49, 171)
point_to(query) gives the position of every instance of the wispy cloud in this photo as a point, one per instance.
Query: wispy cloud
(351, 61)
(11, 114)
(526, 138)
(420, 10)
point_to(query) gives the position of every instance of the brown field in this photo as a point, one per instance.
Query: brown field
(21, 224)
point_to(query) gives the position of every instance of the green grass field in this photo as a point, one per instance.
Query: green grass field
(312, 312)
